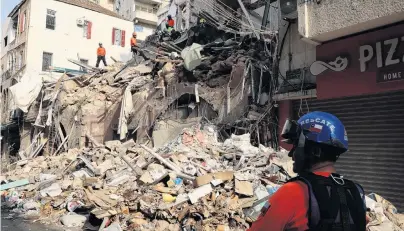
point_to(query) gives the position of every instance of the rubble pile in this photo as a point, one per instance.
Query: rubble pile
(194, 181)
(224, 81)
(383, 216)
(139, 145)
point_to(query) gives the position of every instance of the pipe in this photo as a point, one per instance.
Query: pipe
(248, 18)
(283, 41)
(265, 17)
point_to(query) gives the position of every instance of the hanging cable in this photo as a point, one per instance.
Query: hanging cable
(233, 21)
(228, 15)
(224, 5)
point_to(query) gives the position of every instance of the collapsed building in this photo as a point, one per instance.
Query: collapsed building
(220, 76)
(205, 82)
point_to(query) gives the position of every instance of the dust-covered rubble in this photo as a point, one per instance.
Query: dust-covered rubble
(194, 180)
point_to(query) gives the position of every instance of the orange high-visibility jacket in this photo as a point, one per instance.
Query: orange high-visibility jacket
(101, 51)
(171, 22)
(133, 42)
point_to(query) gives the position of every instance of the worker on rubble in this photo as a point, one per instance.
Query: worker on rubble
(135, 48)
(318, 198)
(201, 21)
(170, 23)
(101, 55)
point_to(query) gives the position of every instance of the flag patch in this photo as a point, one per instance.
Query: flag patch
(317, 128)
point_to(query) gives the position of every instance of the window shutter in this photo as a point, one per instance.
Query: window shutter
(123, 39)
(113, 36)
(89, 26)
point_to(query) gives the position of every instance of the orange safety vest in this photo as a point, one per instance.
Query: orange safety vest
(171, 22)
(101, 51)
(133, 42)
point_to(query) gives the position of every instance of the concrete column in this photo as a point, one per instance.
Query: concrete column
(285, 112)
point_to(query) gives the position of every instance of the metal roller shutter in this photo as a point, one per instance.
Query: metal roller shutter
(375, 127)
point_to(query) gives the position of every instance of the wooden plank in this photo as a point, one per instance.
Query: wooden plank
(86, 66)
(62, 137)
(14, 184)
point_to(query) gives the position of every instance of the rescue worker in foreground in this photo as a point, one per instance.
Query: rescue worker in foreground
(170, 23)
(135, 48)
(318, 198)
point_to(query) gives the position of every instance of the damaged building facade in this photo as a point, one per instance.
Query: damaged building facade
(216, 83)
(143, 14)
(212, 84)
(359, 78)
(204, 94)
(37, 48)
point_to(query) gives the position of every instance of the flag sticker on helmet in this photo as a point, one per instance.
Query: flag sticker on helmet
(345, 135)
(320, 121)
(317, 128)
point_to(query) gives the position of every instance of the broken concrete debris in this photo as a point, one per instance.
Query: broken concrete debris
(160, 199)
(382, 215)
(152, 197)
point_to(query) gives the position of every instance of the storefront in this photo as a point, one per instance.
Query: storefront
(360, 79)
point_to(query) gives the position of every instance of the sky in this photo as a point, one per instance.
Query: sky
(6, 7)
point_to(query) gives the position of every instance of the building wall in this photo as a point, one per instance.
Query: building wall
(143, 30)
(348, 17)
(67, 40)
(295, 53)
(145, 13)
(162, 12)
(124, 8)
(145, 26)
(13, 55)
(357, 80)
(4, 34)
(4, 47)
(108, 4)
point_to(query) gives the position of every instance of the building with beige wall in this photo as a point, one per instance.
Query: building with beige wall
(41, 34)
(108, 4)
(44, 33)
(143, 14)
(348, 17)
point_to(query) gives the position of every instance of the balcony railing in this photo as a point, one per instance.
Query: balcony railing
(147, 9)
(6, 75)
(156, 2)
(146, 14)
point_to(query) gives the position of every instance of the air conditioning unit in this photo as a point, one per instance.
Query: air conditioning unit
(80, 21)
(288, 9)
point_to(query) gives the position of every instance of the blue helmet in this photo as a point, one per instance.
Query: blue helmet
(324, 128)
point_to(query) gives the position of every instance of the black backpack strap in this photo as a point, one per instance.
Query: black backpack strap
(356, 203)
(328, 209)
(339, 207)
